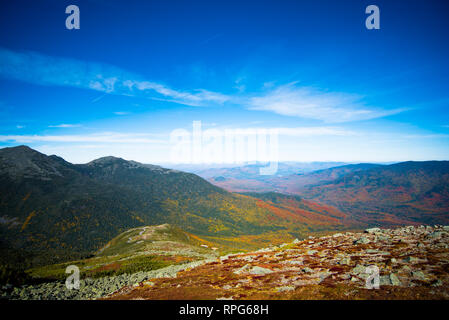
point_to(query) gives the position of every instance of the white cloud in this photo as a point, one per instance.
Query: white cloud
(200, 97)
(103, 84)
(294, 131)
(310, 103)
(314, 131)
(426, 136)
(106, 137)
(64, 125)
(287, 100)
(46, 70)
(239, 85)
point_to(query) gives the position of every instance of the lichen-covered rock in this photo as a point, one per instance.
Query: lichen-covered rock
(307, 270)
(373, 230)
(285, 288)
(419, 275)
(394, 280)
(259, 270)
(362, 240)
(359, 269)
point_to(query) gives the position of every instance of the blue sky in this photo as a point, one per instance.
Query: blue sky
(137, 70)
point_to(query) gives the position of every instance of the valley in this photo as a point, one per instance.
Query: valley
(410, 192)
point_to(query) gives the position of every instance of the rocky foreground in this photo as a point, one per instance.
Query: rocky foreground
(91, 288)
(413, 263)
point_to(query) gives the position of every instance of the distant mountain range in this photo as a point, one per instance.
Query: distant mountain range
(408, 192)
(247, 178)
(252, 170)
(295, 183)
(54, 210)
(375, 194)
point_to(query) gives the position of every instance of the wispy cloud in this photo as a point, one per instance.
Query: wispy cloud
(315, 131)
(215, 36)
(64, 125)
(239, 85)
(106, 137)
(287, 100)
(98, 98)
(293, 131)
(121, 113)
(310, 103)
(46, 70)
(200, 97)
(426, 136)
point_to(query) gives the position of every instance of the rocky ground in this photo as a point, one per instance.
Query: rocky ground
(91, 288)
(413, 263)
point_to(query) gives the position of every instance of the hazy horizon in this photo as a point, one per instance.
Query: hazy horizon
(198, 166)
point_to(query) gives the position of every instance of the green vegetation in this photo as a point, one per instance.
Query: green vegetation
(130, 266)
(136, 250)
(97, 268)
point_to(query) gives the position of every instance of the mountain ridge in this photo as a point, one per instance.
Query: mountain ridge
(58, 209)
(414, 190)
